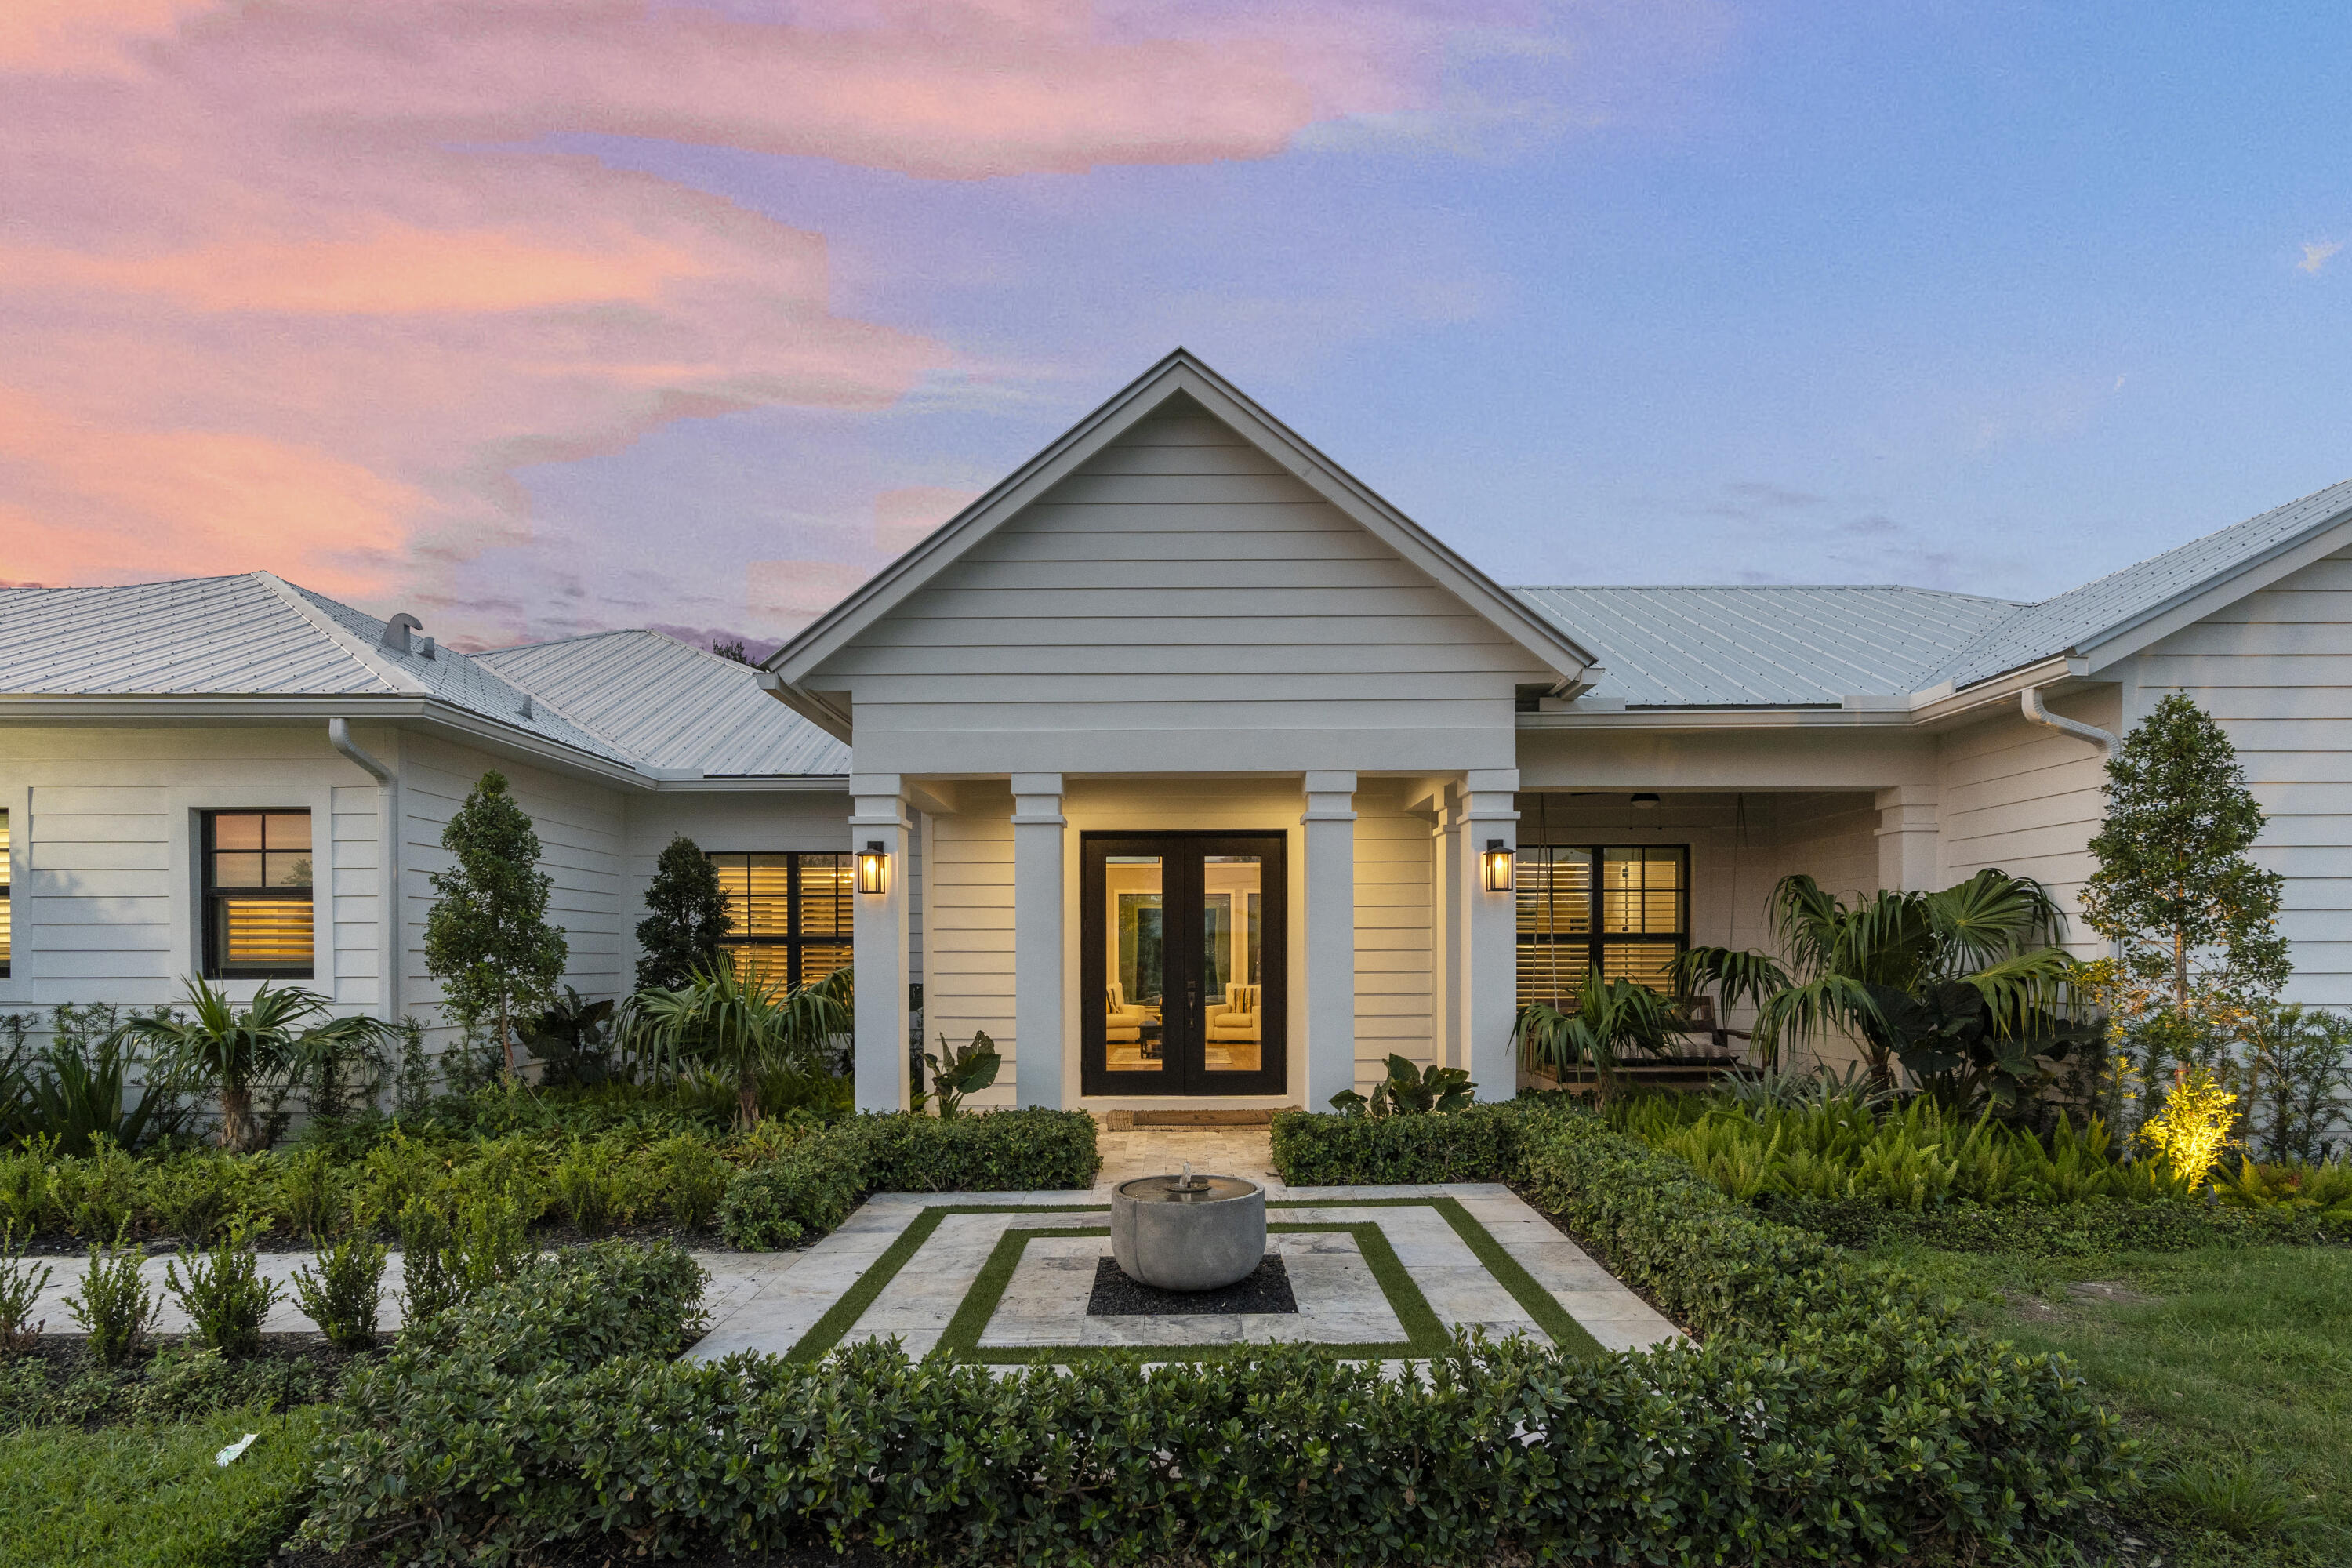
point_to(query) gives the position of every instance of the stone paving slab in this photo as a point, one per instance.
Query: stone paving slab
(920, 1301)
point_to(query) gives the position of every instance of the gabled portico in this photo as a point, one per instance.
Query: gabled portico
(1182, 747)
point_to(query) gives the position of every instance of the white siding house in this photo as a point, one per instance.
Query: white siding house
(1182, 754)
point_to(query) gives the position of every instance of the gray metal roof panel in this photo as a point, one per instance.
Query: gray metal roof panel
(2086, 613)
(673, 705)
(464, 680)
(203, 636)
(1765, 646)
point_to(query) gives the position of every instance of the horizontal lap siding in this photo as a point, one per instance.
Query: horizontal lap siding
(967, 938)
(2275, 671)
(1396, 881)
(104, 906)
(582, 830)
(2027, 799)
(1183, 590)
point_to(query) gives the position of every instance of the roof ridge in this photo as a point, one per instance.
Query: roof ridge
(578, 636)
(1762, 588)
(353, 647)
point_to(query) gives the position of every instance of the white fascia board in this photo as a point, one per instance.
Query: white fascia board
(1939, 707)
(1804, 717)
(1179, 373)
(2120, 642)
(425, 713)
(812, 706)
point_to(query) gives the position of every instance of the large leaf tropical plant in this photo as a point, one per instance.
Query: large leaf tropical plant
(1611, 1019)
(723, 1022)
(269, 1043)
(1965, 986)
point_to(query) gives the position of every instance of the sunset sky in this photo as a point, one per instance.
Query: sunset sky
(545, 316)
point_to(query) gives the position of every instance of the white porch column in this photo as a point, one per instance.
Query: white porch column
(1909, 838)
(1330, 981)
(1490, 947)
(1451, 945)
(1037, 832)
(878, 934)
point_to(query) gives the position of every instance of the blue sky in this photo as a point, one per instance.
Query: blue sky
(1993, 299)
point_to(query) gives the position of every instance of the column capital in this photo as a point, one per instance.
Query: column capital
(1330, 797)
(878, 783)
(1480, 780)
(1037, 784)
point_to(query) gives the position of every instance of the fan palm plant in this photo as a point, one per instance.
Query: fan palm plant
(1611, 1018)
(269, 1043)
(1923, 978)
(719, 1021)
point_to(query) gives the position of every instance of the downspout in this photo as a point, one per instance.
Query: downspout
(2029, 703)
(338, 735)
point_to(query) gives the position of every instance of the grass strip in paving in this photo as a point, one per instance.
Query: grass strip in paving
(1424, 1335)
(843, 1315)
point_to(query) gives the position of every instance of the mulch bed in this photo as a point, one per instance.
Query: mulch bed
(1116, 1295)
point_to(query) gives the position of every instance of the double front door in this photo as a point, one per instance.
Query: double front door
(1182, 963)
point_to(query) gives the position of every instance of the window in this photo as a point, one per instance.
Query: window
(256, 871)
(791, 914)
(1624, 911)
(5, 949)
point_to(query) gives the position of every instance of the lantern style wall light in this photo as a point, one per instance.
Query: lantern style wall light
(1496, 864)
(873, 867)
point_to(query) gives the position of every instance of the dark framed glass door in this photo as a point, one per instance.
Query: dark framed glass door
(1183, 939)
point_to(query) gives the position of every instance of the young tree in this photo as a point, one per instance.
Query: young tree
(687, 917)
(2174, 884)
(488, 939)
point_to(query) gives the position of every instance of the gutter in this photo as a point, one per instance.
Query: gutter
(338, 735)
(2029, 703)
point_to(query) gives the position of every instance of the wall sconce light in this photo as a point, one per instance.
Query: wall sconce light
(872, 866)
(1646, 801)
(1496, 863)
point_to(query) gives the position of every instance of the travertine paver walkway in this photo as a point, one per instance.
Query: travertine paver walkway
(768, 1301)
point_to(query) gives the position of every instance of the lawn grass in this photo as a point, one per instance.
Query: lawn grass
(2233, 1366)
(150, 1496)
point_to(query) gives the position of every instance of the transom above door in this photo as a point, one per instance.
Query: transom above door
(1182, 948)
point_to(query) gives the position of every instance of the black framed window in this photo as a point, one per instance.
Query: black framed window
(258, 888)
(6, 949)
(1622, 909)
(792, 912)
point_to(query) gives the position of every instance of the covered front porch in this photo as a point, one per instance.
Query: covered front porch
(1140, 941)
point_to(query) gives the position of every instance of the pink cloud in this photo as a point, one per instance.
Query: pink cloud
(288, 285)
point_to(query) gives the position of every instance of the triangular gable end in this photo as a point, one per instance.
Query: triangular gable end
(1178, 378)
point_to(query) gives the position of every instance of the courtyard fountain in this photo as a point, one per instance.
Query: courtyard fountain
(1187, 1232)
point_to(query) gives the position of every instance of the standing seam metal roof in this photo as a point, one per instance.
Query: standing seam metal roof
(1765, 646)
(673, 705)
(2083, 615)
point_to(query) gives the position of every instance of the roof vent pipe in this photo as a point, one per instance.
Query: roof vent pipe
(2029, 703)
(396, 630)
(526, 705)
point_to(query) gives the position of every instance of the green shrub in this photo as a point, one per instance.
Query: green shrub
(813, 1185)
(21, 1284)
(312, 1193)
(2051, 1230)
(1480, 1143)
(176, 1383)
(25, 1188)
(450, 1251)
(224, 1295)
(1844, 1443)
(344, 1294)
(192, 1196)
(588, 1186)
(96, 1195)
(113, 1305)
(691, 1176)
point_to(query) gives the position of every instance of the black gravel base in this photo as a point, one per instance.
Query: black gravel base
(1116, 1295)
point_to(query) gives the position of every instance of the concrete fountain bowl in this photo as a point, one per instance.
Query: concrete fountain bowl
(1187, 1232)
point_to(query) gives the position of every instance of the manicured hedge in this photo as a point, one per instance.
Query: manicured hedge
(810, 1187)
(1832, 1414)
(2053, 1230)
(1481, 1144)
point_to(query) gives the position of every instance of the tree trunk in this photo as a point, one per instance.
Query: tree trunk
(505, 1043)
(747, 1100)
(2180, 968)
(237, 1119)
